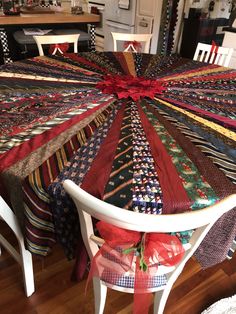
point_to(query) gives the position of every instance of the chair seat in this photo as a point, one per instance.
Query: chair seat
(127, 281)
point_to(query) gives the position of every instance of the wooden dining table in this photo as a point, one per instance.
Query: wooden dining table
(148, 133)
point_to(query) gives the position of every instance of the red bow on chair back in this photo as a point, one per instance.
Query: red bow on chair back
(214, 47)
(134, 46)
(214, 50)
(61, 48)
(139, 253)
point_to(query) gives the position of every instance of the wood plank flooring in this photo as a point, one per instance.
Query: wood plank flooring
(55, 293)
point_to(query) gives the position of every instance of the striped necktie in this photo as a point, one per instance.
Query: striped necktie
(119, 187)
(133, 183)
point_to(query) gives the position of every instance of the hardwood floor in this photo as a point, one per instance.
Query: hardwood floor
(55, 293)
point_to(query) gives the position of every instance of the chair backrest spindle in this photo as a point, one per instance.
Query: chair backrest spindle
(210, 54)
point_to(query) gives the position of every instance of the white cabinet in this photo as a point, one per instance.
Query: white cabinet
(99, 43)
(230, 42)
(116, 28)
(146, 7)
(143, 24)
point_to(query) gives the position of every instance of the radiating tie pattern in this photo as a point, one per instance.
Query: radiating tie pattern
(45, 110)
(197, 109)
(212, 104)
(138, 64)
(75, 170)
(211, 180)
(133, 183)
(219, 158)
(119, 188)
(147, 194)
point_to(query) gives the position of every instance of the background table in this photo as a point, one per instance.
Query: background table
(57, 124)
(48, 20)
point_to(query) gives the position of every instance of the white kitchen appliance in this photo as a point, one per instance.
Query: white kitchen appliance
(127, 16)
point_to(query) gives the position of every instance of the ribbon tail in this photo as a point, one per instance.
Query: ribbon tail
(133, 48)
(59, 49)
(54, 51)
(93, 272)
(127, 48)
(142, 298)
(142, 302)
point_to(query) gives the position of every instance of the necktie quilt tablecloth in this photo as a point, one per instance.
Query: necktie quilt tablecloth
(167, 152)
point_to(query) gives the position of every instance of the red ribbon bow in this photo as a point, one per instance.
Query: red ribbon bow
(61, 48)
(214, 50)
(134, 46)
(129, 251)
(214, 47)
(125, 86)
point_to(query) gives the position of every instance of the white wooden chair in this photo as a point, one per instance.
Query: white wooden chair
(27, 42)
(220, 56)
(141, 38)
(200, 220)
(24, 258)
(56, 39)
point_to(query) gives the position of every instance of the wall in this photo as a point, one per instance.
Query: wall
(221, 8)
(66, 4)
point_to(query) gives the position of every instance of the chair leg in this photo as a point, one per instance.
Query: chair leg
(160, 299)
(25, 257)
(100, 293)
(27, 268)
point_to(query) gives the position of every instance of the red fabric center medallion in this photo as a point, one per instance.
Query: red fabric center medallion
(128, 86)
